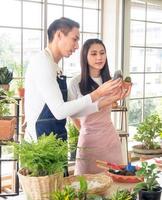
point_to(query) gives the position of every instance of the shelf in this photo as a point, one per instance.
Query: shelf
(4, 191)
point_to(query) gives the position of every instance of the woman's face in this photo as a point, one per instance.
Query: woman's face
(96, 58)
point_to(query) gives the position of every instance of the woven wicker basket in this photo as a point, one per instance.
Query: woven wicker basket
(104, 182)
(40, 188)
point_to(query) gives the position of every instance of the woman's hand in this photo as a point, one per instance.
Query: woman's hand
(126, 90)
(106, 89)
(108, 100)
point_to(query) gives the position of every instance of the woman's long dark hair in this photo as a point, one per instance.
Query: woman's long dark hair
(87, 84)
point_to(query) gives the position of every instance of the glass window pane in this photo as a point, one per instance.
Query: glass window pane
(10, 13)
(137, 35)
(91, 3)
(90, 25)
(54, 12)
(153, 85)
(55, 1)
(100, 22)
(90, 35)
(138, 9)
(135, 112)
(10, 46)
(154, 12)
(31, 44)
(73, 2)
(28, 19)
(153, 60)
(37, 0)
(137, 87)
(151, 106)
(154, 33)
(72, 64)
(70, 12)
(136, 59)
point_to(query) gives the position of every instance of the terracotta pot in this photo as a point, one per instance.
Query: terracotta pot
(7, 128)
(6, 87)
(126, 85)
(21, 92)
(114, 105)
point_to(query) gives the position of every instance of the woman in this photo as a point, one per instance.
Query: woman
(98, 138)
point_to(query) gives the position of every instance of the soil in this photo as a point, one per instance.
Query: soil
(123, 172)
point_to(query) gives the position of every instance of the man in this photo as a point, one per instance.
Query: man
(46, 108)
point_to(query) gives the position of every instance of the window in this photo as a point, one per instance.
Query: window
(22, 35)
(143, 58)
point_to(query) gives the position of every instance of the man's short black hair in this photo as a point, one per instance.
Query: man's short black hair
(63, 24)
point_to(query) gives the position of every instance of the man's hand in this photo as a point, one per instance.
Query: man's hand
(106, 88)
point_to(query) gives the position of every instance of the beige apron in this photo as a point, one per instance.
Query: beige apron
(98, 140)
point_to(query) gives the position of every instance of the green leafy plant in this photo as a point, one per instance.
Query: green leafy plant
(148, 131)
(150, 175)
(45, 157)
(127, 79)
(69, 193)
(6, 97)
(73, 134)
(5, 75)
(20, 83)
(123, 194)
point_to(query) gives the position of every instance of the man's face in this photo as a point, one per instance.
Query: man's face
(69, 43)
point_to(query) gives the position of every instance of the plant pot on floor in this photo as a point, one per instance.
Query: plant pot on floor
(150, 195)
(40, 188)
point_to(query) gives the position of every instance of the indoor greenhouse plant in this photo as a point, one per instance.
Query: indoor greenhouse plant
(7, 123)
(149, 189)
(81, 193)
(73, 134)
(148, 133)
(42, 165)
(20, 87)
(5, 77)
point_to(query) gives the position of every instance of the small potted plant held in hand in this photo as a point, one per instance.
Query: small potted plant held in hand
(42, 165)
(149, 189)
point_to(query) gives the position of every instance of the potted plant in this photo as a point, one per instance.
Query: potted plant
(5, 77)
(79, 192)
(19, 72)
(20, 87)
(148, 134)
(123, 194)
(149, 189)
(73, 134)
(7, 123)
(42, 165)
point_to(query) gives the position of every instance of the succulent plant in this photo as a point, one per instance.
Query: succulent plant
(127, 79)
(5, 75)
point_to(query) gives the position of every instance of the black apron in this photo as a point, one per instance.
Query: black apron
(46, 122)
